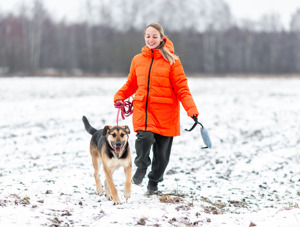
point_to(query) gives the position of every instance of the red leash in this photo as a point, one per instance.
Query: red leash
(126, 109)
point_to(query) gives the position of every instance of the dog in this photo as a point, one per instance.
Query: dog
(109, 146)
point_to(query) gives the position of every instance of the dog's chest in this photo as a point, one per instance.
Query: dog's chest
(115, 163)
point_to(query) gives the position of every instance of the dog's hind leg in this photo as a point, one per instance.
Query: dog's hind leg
(96, 159)
(99, 187)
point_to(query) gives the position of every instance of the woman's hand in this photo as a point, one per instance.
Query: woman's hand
(119, 103)
(193, 112)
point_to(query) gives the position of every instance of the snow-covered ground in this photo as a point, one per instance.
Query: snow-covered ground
(251, 176)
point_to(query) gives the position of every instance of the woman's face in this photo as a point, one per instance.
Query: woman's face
(152, 38)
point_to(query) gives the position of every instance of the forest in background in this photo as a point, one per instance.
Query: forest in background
(207, 39)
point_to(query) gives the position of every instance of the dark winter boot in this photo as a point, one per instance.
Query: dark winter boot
(139, 176)
(152, 188)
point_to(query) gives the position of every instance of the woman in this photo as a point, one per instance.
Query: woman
(158, 81)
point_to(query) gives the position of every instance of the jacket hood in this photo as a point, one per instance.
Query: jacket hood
(148, 52)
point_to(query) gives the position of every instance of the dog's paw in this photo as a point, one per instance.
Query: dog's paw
(108, 196)
(117, 202)
(127, 195)
(100, 190)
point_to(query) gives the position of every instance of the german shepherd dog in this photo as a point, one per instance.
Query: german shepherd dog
(110, 147)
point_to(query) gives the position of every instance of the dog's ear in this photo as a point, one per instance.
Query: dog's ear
(127, 129)
(106, 130)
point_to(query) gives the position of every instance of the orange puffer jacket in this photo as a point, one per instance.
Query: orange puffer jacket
(158, 88)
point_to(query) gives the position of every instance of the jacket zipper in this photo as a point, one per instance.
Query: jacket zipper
(148, 91)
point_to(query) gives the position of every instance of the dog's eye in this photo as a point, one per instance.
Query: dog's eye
(122, 135)
(114, 135)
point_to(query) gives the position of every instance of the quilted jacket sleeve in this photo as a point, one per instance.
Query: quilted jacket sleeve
(130, 87)
(181, 89)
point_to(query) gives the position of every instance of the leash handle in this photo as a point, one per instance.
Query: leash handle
(194, 125)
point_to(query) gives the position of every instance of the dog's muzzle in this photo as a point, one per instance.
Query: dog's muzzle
(117, 147)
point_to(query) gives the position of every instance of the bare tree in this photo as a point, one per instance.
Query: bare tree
(295, 27)
(11, 36)
(271, 22)
(88, 34)
(34, 33)
(295, 21)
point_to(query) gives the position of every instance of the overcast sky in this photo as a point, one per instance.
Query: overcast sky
(253, 9)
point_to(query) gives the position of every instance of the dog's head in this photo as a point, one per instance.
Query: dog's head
(117, 137)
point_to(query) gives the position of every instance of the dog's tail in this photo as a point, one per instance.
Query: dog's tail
(87, 126)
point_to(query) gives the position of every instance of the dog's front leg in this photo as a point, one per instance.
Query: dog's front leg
(112, 187)
(127, 187)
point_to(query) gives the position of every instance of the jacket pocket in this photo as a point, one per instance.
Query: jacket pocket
(138, 98)
(163, 100)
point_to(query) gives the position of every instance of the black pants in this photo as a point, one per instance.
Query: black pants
(161, 153)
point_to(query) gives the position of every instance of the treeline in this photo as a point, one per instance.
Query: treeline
(31, 44)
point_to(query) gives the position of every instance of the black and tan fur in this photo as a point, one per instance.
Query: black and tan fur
(110, 147)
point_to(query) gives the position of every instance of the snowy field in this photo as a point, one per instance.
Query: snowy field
(251, 176)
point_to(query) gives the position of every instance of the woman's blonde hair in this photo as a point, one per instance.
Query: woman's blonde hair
(170, 57)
